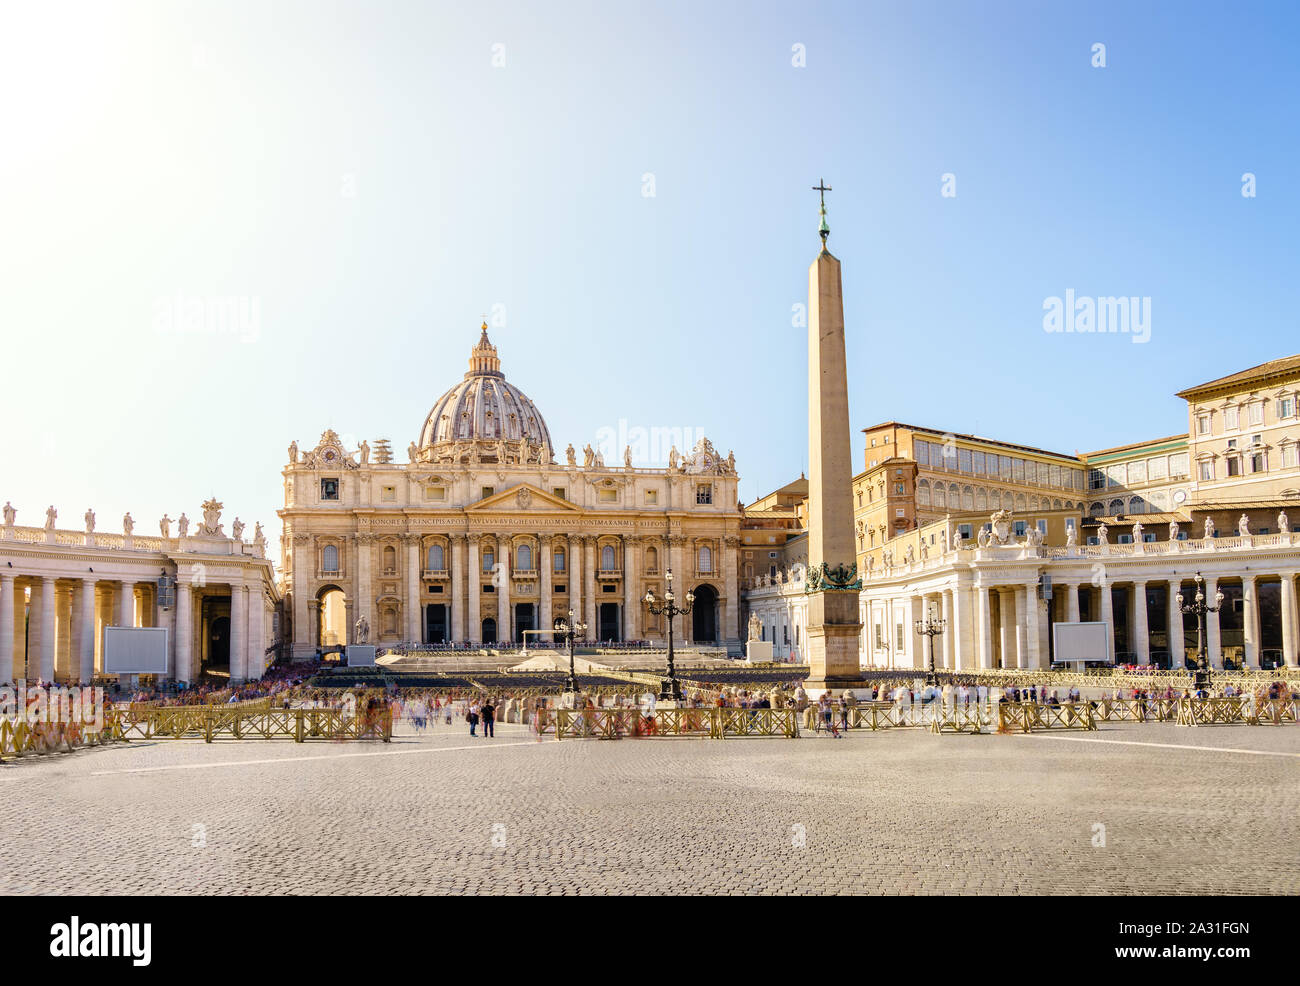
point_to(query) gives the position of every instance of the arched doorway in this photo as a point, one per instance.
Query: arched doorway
(704, 615)
(489, 631)
(219, 642)
(609, 622)
(435, 624)
(523, 619)
(333, 629)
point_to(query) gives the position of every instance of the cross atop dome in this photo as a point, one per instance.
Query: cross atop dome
(483, 357)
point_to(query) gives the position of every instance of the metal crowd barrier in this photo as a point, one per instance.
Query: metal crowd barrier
(218, 722)
(20, 738)
(713, 723)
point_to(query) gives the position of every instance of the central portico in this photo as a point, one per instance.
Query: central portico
(482, 535)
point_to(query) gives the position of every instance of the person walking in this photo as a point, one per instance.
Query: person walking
(472, 716)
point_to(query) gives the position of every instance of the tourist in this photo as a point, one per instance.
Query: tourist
(472, 716)
(488, 712)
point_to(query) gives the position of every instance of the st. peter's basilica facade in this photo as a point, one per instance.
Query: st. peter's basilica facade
(482, 535)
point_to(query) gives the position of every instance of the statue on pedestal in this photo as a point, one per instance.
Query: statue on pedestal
(571, 455)
(1137, 532)
(361, 631)
(183, 525)
(1173, 530)
(1103, 534)
(755, 627)
(10, 514)
(1243, 526)
(365, 453)
(672, 458)
(588, 457)
(90, 521)
(1282, 524)
(1071, 536)
(293, 453)
(237, 530)
(1209, 529)
(128, 525)
(627, 457)
(165, 527)
(50, 516)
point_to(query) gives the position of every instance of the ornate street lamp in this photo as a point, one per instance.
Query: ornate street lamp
(930, 627)
(567, 631)
(1201, 679)
(672, 688)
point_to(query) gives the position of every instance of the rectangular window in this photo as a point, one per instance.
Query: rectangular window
(1137, 472)
(1096, 479)
(558, 492)
(1020, 527)
(487, 491)
(1234, 466)
(1018, 470)
(1042, 527)
(1206, 471)
(1202, 424)
(489, 560)
(1004, 466)
(388, 493)
(1285, 407)
(1115, 476)
(963, 461)
(922, 452)
(965, 531)
(880, 636)
(900, 641)
(1157, 468)
(1257, 413)
(977, 463)
(652, 496)
(1289, 457)
(1054, 476)
(1178, 465)
(1230, 416)
(608, 496)
(704, 493)
(329, 489)
(435, 492)
(1258, 462)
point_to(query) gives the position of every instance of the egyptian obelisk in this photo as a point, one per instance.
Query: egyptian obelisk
(832, 584)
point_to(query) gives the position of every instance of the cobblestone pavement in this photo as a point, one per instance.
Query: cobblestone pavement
(1208, 810)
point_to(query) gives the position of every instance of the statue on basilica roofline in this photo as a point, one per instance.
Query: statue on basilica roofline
(1283, 524)
(165, 527)
(128, 525)
(672, 458)
(259, 537)
(570, 455)
(51, 515)
(364, 452)
(183, 525)
(90, 521)
(1243, 526)
(627, 456)
(293, 453)
(10, 514)
(237, 530)
(588, 457)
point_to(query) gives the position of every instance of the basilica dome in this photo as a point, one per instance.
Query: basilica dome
(483, 418)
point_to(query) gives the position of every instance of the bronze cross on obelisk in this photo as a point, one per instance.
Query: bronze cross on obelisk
(823, 188)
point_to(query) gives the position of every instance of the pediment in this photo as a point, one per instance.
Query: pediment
(523, 497)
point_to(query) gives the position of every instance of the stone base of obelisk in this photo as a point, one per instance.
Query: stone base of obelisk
(833, 639)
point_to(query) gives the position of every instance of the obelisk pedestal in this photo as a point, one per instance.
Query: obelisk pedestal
(832, 583)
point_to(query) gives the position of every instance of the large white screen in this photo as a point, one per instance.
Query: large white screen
(135, 650)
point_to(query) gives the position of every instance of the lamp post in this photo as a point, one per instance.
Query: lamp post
(930, 627)
(671, 689)
(567, 631)
(1198, 606)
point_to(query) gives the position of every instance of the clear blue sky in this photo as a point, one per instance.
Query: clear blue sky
(368, 178)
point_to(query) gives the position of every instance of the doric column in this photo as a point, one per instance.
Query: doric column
(1007, 626)
(255, 663)
(49, 602)
(731, 585)
(1177, 651)
(574, 556)
(1108, 613)
(631, 597)
(414, 632)
(458, 588)
(1072, 602)
(238, 633)
(1033, 652)
(1250, 621)
(1213, 650)
(961, 629)
(184, 632)
(474, 579)
(6, 629)
(64, 654)
(545, 592)
(947, 647)
(1141, 636)
(589, 587)
(125, 615)
(364, 601)
(1288, 619)
(986, 627)
(86, 632)
(304, 563)
(20, 631)
(502, 582)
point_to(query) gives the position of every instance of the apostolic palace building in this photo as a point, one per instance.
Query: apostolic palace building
(1002, 540)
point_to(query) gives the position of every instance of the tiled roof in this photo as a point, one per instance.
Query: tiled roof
(1256, 374)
